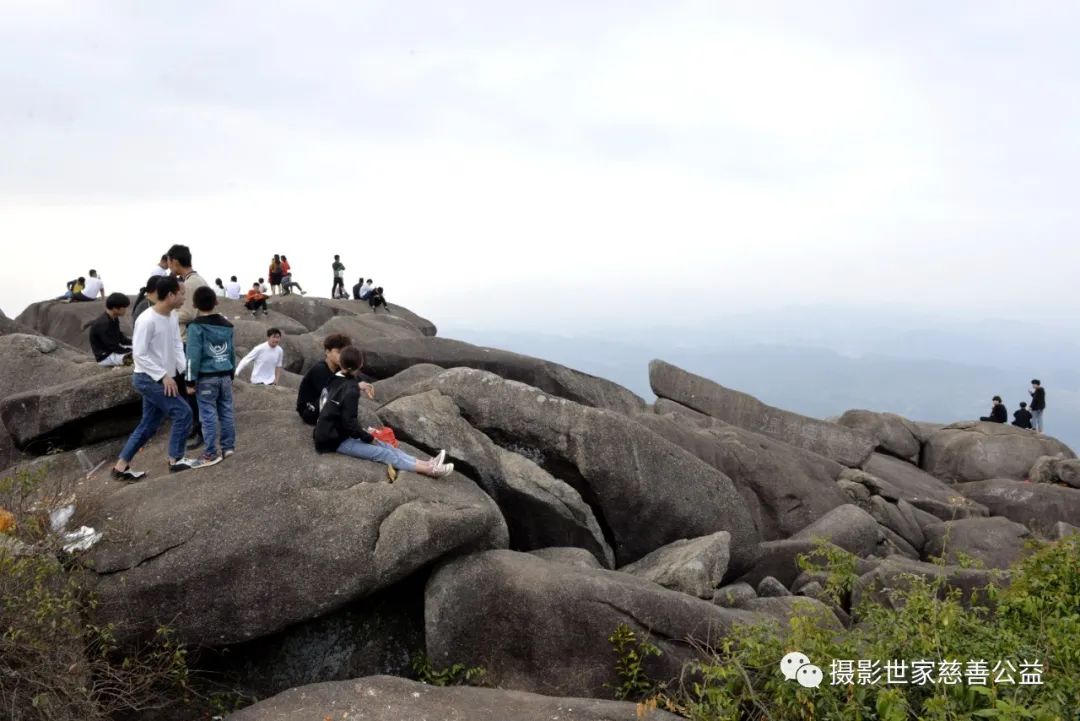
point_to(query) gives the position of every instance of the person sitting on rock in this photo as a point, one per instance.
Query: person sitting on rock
(320, 375)
(998, 413)
(232, 290)
(73, 287)
(268, 357)
(356, 289)
(367, 288)
(337, 428)
(219, 288)
(256, 300)
(162, 268)
(92, 289)
(287, 282)
(1022, 417)
(109, 344)
(375, 299)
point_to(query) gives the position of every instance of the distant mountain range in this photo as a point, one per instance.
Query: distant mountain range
(819, 364)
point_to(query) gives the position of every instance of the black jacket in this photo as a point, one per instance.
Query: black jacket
(1038, 399)
(337, 418)
(998, 414)
(106, 337)
(311, 388)
(1022, 419)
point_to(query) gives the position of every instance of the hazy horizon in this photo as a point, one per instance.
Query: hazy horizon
(565, 167)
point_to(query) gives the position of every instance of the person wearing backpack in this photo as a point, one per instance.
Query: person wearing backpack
(337, 428)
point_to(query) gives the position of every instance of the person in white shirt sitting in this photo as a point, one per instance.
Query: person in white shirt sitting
(219, 288)
(269, 359)
(366, 289)
(162, 268)
(233, 289)
(93, 289)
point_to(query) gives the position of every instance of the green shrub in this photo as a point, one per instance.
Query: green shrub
(1035, 618)
(457, 674)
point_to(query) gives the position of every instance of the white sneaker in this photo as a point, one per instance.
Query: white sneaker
(443, 470)
(439, 459)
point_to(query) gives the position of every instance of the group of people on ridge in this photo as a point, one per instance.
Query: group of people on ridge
(1025, 416)
(184, 362)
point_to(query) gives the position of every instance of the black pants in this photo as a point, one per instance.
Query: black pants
(192, 401)
(338, 283)
(254, 305)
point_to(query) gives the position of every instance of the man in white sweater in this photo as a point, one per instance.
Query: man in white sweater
(158, 355)
(268, 357)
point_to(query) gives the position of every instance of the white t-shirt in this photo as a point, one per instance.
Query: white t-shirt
(266, 360)
(93, 287)
(159, 271)
(232, 290)
(366, 289)
(155, 345)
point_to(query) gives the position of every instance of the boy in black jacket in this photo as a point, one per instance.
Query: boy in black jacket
(1022, 417)
(320, 375)
(338, 429)
(109, 344)
(998, 414)
(1038, 404)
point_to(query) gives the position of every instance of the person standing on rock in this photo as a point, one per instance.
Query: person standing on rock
(211, 361)
(337, 428)
(162, 268)
(275, 274)
(180, 264)
(1022, 417)
(1038, 404)
(158, 357)
(109, 344)
(268, 357)
(338, 289)
(320, 376)
(998, 413)
(145, 298)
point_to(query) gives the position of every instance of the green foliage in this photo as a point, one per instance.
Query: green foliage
(1035, 618)
(457, 674)
(631, 654)
(55, 663)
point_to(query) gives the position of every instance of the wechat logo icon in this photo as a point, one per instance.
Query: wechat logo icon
(796, 666)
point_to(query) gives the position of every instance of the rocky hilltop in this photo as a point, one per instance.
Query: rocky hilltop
(576, 506)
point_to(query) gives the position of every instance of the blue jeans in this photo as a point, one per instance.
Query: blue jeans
(1036, 420)
(155, 406)
(379, 452)
(215, 404)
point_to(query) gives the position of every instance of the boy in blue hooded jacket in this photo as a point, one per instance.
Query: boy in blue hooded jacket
(211, 365)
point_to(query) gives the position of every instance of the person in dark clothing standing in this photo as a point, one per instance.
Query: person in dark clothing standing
(338, 430)
(1038, 404)
(998, 413)
(1022, 417)
(109, 344)
(320, 375)
(338, 289)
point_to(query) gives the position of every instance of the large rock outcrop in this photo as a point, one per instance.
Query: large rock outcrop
(991, 542)
(897, 480)
(386, 698)
(892, 434)
(543, 627)
(695, 566)
(384, 358)
(274, 535)
(974, 451)
(785, 488)
(74, 413)
(1036, 505)
(844, 445)
(67, 322)
(645, 491)
(540, 511)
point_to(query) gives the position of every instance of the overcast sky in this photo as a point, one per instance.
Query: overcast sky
(553, 164)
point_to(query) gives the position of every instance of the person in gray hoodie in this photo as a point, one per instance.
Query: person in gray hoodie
(211, 365)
